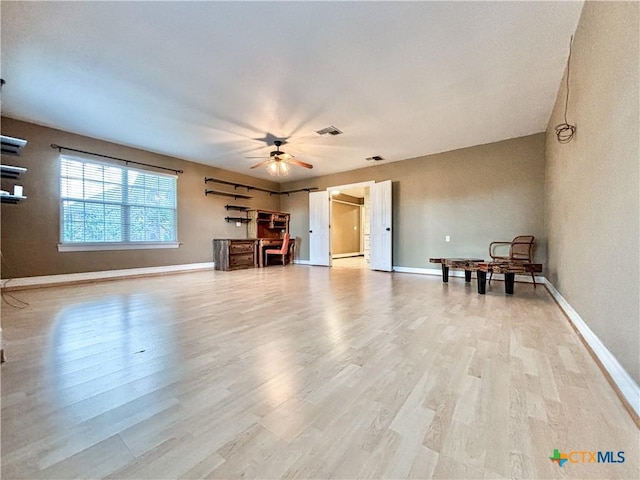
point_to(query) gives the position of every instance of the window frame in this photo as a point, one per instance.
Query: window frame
(123, 245)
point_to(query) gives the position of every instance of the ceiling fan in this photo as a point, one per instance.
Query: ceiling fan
(278, 162)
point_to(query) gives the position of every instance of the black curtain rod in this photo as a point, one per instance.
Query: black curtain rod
(127, 162)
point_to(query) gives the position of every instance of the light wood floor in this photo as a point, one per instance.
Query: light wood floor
(301, 372)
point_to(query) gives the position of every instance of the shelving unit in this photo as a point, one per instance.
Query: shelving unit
(238, 208)
(272, 224)
(268, 224)
(11, 147)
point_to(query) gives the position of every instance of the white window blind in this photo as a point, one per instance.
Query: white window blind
(109, 204)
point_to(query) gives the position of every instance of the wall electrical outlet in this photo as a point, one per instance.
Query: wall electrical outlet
(447, 238)
(238, 224)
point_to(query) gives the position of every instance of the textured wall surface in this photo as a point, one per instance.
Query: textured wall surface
(592, 183)
(31, 229)
(475, 195)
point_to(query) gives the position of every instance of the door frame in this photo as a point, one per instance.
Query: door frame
(347, 186)
(360, 230)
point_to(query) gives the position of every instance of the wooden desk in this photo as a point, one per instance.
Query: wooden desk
(266, 243)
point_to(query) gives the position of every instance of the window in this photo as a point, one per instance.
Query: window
(104, 207)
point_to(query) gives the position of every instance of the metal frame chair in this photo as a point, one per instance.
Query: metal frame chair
(520, 250)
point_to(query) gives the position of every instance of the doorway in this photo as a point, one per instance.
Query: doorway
(378, 211)
(350, 226)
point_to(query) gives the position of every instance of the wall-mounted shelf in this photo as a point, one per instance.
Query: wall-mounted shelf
(11, 146)
(227, 194)
(238, 185)
(11, 198)
(12, 173)
(239, 208)
(8, 171)
(238, 219)
(259, 189)
(311, 189)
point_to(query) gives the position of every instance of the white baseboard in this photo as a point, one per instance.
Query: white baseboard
(301, 262)
(626, 385)
(460, 273)
(419, 271)
(70, 278)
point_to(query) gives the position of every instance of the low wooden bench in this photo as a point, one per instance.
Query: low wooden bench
(509, 269)
(466, 264)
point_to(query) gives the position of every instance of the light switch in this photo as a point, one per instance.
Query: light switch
(447, 238)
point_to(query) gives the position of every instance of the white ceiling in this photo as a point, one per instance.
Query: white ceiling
(211, 82)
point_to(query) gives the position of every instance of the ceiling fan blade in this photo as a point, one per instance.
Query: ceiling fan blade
(262, 164)
(293, 161)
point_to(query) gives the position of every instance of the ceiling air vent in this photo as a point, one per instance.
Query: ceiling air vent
(375, 158)
(12, 146)
(330, 130)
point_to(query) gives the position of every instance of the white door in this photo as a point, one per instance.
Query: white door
(381, 222)
(319, 238)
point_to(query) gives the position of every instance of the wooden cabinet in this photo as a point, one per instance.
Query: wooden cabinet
(232, 254)
(268, 224)
(265, 229)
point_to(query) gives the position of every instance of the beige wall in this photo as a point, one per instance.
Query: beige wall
(476, 195)
(593, 211)
(31, 229)
(345, 228)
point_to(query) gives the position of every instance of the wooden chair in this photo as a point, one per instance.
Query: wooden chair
(520, 250)
(282, 251)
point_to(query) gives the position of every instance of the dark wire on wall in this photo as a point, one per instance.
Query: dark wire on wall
(565, 131)
(15, 302)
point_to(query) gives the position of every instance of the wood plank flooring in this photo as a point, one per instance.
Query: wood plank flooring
(301, 372)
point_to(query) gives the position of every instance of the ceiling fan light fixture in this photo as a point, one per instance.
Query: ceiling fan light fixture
(278, 169)
(279, 163)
